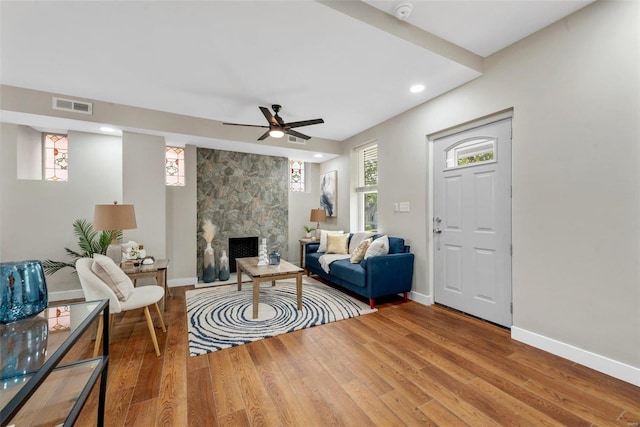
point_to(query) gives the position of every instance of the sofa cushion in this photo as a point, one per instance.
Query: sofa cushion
(380, 246)
(358, 253)
(352, 273)
(337, 243)
(396, 245)
(323, 239)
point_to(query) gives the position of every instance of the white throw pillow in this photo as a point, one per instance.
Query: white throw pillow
(323, 239)
(380, 246)
(112, 275)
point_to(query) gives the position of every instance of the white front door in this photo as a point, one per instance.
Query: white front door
(472, 221)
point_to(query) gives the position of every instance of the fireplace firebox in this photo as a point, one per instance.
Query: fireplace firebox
(241, 247)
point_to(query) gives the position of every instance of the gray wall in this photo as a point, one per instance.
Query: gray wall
(300, 205)
(182, 224)
(244, 195)
(37, 216)
(574, 88)
(143, 158)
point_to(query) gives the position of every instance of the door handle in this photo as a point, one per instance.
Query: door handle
(437, 231)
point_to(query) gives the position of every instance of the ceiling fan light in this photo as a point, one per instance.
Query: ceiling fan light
(276, 133)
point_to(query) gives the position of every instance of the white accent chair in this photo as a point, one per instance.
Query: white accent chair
(95, 289)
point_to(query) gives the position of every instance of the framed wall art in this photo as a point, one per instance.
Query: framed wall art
(328, 192)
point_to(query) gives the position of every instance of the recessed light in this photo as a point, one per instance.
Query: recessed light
(416, 88)
(317, 155)
(107, 129)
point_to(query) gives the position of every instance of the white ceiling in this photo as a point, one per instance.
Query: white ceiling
(221, 59)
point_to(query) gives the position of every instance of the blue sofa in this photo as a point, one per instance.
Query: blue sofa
(373, 277)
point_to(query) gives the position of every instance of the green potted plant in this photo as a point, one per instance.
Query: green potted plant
(90, 242)
(308, 230)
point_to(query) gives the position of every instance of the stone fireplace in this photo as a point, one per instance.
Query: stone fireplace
(243, 195)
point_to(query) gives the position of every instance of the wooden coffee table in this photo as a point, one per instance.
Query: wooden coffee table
(265, 273)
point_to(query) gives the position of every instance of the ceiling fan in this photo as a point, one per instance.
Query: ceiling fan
(277, 127)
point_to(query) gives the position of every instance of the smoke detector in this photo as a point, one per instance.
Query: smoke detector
(403, 10)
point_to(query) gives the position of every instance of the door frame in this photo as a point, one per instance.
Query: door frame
(471, 124)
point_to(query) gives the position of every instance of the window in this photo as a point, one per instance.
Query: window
(471, 152)
(296, 175)
(368, 188)
(56, 157)
(174, 165)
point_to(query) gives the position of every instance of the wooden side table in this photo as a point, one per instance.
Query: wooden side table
(303, 242)
(157, 270)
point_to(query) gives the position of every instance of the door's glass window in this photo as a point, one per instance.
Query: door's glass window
(471, 152)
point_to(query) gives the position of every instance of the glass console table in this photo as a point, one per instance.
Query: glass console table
(35, 387)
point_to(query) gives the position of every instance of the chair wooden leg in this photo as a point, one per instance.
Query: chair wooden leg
(96, 347)
(152, 330)
(164, 329)
(111, 318)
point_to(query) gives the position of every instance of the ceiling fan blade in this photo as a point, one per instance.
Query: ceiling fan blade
(264, 136)
(279, 119)
(269, 116)
(296, 134)
(304, 123)
(240, 124)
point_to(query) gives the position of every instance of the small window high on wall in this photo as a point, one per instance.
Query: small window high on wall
(368, 188)
(296, 175)
(174, 166)
(56, 157)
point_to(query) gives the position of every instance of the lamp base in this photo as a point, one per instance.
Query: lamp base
(114, 251)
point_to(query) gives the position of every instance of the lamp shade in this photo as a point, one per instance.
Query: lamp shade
(114, 217)
(318, 215)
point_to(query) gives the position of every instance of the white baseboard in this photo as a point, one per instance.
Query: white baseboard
(182, 281)
(65, 295)
(591, 360)
(421, 298)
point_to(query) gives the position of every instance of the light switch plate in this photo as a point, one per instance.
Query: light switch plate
(403, 206)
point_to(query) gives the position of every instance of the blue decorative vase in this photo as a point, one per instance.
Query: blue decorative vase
(24, 349)
(23, 290)
(274, 258)
(209, 267)
(223, 273)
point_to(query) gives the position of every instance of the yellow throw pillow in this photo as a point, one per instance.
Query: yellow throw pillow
(360, 250)
(337, 243)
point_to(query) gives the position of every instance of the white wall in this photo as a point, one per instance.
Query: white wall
(144, 186)
(574, 88)
(300, 205)
(182, 225)
(342, 220)
(37, 216)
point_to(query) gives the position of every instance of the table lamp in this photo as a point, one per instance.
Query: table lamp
(318, 216)
(114, 217)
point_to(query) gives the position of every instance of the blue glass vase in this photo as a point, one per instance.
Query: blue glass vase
(23, 290)
(24, 349)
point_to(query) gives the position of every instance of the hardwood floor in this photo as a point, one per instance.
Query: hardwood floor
(407, 364)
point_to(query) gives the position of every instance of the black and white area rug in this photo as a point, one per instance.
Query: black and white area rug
(221, 317)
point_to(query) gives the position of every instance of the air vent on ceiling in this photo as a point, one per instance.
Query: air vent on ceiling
(294, 140)
(71, 105)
